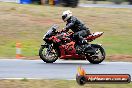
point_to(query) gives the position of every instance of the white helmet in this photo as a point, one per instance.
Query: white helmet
(66, 15)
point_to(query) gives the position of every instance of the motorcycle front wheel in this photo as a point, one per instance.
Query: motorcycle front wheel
(48, 55)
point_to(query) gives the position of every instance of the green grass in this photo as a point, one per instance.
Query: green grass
(28, 23)
(25, 83)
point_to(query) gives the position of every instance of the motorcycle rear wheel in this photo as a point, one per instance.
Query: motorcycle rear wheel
(46, 56)
(94, 59)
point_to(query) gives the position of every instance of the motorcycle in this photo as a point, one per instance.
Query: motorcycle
(61, 45)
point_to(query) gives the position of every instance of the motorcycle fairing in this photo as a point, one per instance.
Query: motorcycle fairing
(69, 51)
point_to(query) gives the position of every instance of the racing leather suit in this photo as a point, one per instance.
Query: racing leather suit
(79, 29)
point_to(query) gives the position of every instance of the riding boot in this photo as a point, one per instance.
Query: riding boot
(86, 47)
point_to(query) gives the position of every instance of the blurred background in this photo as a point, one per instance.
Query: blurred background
(70, 3)
(26, 21)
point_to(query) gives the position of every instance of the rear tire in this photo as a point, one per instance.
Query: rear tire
(96, 60)
(43, 56)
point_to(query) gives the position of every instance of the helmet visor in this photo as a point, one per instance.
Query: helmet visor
(64, 17)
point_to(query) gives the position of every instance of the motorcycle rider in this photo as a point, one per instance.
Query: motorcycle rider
(77, 26)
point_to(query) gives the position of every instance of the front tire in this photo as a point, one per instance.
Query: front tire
(47, 58)
(95, 59)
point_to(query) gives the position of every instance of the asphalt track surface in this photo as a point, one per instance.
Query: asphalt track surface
(105, 6)
(61, 69)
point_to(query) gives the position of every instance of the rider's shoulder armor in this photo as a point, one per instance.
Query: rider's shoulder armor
(78, 25)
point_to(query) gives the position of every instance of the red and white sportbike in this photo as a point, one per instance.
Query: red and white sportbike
(60, 45)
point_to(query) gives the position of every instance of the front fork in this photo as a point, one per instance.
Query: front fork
(48, 46)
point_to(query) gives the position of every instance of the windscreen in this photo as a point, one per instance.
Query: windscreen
(50, 32)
